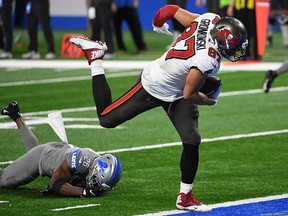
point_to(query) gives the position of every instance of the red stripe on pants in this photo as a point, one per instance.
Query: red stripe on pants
(122, 99)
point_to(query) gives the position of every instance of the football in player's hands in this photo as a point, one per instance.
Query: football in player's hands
(212, 87)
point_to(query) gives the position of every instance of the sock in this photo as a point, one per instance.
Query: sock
(185, 188)
(284, 31)
(97, 67)
(282, 69)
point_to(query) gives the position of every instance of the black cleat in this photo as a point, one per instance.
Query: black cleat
(11, 110)
(269, 78)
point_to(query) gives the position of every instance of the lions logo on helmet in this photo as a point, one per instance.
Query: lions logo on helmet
(105, 172)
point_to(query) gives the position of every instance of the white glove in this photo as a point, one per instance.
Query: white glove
(215, 95)
(91, 13)
(163, 29)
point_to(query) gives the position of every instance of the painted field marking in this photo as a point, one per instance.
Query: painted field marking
(2, 201)
(116, 69)
(82, 109)
(75, 207)
(122, 64)
(164, 145)
(220, 205)
(65, 79)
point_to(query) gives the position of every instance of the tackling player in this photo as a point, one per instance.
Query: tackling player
(73, 171)
(174, 82)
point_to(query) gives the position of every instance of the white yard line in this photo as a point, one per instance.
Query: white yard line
(65, 79)
(115, 66)
(226, 204)
(164, 145)
(224, 94)
(75, 207)
(126, 64)
(72, 64)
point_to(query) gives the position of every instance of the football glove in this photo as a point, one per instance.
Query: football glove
(47, 191)
(163, 29)
(91, 192)
(216, 93)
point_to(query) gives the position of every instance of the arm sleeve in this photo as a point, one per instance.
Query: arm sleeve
(165, 13)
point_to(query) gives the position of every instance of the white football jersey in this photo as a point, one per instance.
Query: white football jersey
(165, 77)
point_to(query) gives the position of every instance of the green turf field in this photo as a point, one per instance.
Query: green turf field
(230, 169)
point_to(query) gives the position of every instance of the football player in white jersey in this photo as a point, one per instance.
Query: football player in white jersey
(173, 81)
(73, 171)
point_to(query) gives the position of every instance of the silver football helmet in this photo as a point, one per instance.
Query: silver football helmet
(105, 172)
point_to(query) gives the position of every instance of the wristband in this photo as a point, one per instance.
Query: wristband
(56, 187)
(165, 13)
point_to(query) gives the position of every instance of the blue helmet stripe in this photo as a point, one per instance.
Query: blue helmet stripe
(117, 172)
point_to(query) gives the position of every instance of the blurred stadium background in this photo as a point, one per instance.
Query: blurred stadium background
(244, 149)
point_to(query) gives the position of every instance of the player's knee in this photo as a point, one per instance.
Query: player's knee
(194, 138)
(194, 111)
(110, 121)
(107, 124)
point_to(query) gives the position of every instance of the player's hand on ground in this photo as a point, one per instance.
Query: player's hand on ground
(91, 192)
(47, 191)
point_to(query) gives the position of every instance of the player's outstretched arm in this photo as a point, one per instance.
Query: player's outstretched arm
(173, 11)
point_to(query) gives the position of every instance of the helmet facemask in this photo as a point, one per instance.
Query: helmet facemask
(236, 53)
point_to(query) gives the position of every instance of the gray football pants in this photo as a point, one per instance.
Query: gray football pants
(26, 168)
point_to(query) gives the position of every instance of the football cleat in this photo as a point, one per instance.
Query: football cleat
(93, 50)
(283, 20)
(269, 78)
(11, 110)
(31, 55)
(189, 202)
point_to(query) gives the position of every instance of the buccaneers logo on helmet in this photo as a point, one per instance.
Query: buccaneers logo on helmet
(231, 37)
(228, 37)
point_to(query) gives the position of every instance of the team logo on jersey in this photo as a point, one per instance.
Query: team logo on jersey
(102, 166)
(228, 37)
(74, 155)
(73, 160)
